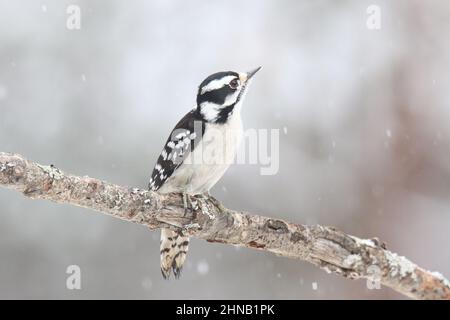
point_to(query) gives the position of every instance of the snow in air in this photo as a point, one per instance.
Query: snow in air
(203, 267)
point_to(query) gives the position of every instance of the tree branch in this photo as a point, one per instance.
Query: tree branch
(325, 247)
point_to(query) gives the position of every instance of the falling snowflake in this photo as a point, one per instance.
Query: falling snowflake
(388, 133)
(202, 267)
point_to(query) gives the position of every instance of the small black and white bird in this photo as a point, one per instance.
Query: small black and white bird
(198, 152)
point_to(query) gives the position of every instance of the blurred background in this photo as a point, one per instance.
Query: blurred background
(363, 116)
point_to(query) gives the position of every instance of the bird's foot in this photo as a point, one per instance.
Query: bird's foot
(216, 202)
(202, 198)
(189, 203)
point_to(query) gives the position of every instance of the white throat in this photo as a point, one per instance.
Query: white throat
(211, 111)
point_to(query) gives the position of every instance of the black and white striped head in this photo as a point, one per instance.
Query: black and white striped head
(221, 93)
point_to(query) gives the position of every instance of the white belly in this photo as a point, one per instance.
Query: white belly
(203, 167)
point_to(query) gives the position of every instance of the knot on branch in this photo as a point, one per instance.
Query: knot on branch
(276, 225)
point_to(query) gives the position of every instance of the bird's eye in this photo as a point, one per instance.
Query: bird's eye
(234, 84)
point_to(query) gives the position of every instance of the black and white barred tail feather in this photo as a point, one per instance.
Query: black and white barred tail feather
(173, 250)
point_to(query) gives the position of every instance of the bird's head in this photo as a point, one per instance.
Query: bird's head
(220, 93)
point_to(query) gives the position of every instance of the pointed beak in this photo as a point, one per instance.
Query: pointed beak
(250, 74)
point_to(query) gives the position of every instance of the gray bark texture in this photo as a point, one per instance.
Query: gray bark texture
(323, 246)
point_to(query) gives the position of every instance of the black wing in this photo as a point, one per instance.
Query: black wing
(182, 140)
